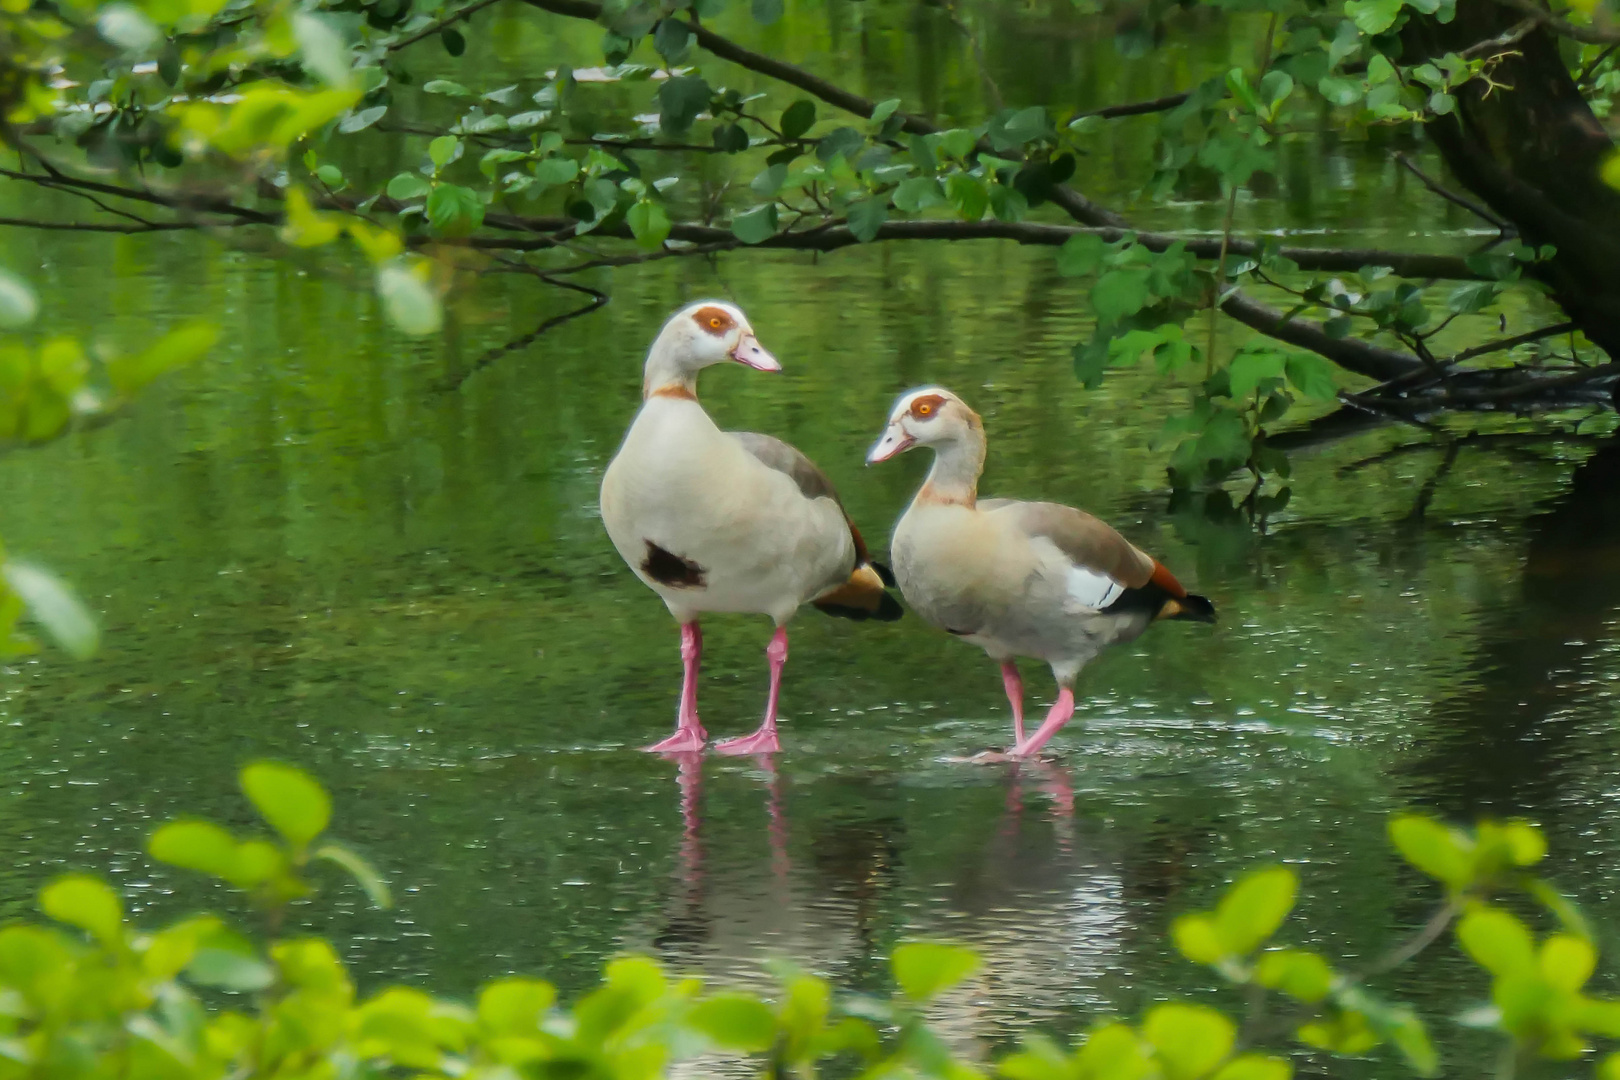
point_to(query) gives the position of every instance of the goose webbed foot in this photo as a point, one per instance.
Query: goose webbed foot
(763, 741)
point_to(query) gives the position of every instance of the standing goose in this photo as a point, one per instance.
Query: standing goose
(1016, 578)
(718, 520)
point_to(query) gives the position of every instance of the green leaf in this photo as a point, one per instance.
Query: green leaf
(797, 119)
(1299, 974)
(1338, 90)
(359, 121)
(454, 43)
(363, 873)
(1256, 905)
(1081, 254)
(408, 302)
(883, 110)
(918, 193)
(288, 799)
(672, 39)
(1188, 1039)
(18, 304)
(1255, 1067)
(968, 196)
(735, 1021)
(555, 170)
(1471, 297)
(487, 164)
(408, 185)
(446, 87)
(844, 140)
(1008, 204)
(926, 969)
(649, 224)
(515, 1006)
(755, 226)
(1497, 941)
(1198, 939)
(234, 969)
(1012, 128)
(195, 845)
(454, 210)
(1119, 293)
(1372, 17)
(1441, 853)
(443, 150)
(1311, 375)
(52, 604)
(866, 217)
(1247, 370)
(680, 100)
(86, 902)
(324, 50)
(1566, 961)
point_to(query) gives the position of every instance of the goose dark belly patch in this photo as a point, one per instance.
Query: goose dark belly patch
(667, 568)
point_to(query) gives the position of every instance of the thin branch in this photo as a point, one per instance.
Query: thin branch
(1591, 35)
(1139, 108)
(1512, 342)
(1450, 196)
(103, 227)
(1586, 72)
(448, 21)
(209, 204)
(1352, 354)
(835, 234)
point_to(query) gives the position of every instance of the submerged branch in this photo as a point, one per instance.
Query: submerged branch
(597, 299)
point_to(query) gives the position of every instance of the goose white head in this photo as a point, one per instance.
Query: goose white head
(700, 335)
(924, 417)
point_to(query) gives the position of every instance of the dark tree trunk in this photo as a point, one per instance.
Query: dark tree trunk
(1532, 150)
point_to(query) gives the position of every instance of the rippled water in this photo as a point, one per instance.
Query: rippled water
(305, 548)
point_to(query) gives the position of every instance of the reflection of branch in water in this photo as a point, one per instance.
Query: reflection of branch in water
(1509, 441)
(597, 299)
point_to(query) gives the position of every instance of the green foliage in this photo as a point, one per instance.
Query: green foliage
(95, 996)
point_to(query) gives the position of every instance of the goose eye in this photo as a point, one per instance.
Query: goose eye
(924, 410)
(715, 322)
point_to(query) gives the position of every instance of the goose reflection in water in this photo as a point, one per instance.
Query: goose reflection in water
(1039, 891)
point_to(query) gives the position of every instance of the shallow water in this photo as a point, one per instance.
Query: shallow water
(306, 548)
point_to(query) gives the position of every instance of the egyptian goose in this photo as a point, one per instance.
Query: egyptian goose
(1016, 578)
(717, 520)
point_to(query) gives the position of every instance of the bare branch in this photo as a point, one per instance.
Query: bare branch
(1452, 197)
(1512, 342)
(1591, 35)
(1352, 354)
(1139, 108)
(103, 227)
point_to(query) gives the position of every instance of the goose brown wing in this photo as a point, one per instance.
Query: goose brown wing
(1088, 542)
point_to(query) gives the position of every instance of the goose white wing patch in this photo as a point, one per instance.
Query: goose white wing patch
(1094, 590)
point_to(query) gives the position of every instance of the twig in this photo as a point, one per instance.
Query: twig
(1139, 108)
(1586, 72)
(1512, 342)
(104, 227)
(449, 20)
(1450, 196)
(1592, 35)
(992, 91)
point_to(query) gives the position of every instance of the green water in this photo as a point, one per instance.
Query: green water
(305, 548)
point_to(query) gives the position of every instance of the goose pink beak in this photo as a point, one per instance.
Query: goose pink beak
(894, 441)
(750, 353)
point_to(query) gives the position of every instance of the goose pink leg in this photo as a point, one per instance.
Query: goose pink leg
(1015, 695)
(689, 734)
(1062, 710)
(764, 740)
